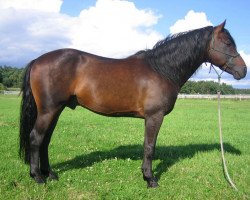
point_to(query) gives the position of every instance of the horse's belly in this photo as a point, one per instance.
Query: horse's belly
(111, 99)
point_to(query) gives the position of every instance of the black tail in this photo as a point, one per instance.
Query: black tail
(28, 115)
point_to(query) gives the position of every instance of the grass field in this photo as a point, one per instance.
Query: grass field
(98, 157)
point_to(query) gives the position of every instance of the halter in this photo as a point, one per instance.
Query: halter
(229, 61)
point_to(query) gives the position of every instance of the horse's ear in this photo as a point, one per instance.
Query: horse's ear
(220, 27)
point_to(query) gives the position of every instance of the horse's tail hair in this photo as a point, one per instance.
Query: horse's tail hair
(28, 115)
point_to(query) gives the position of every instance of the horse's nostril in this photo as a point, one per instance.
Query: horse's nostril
(245, 70)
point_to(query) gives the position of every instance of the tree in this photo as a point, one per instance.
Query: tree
(1, 76)
(2, 87)
(206, 87)
(10, 76)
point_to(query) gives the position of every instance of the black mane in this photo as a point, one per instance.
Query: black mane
(178, 56)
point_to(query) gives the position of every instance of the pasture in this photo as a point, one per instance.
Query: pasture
(99, 157)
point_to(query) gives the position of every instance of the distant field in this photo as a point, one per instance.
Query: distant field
(99, 157)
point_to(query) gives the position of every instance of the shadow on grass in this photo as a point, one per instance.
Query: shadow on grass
(168, 155)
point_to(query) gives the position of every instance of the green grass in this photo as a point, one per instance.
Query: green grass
(99, 157)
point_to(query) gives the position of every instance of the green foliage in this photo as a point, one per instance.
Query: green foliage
(100, 157)
(11, 77)
(242, 91)
(2, 87)
(206, 87)
(1, 75)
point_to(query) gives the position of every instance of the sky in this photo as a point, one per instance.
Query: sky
(115, 28)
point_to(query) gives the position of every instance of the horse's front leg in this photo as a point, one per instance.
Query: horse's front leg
(152, 127)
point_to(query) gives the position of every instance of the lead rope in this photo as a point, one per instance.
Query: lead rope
(221, 139)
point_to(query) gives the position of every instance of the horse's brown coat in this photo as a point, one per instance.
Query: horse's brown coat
(136, 86)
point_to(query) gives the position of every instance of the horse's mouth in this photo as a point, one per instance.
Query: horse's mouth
(236, 76)
(240, 74)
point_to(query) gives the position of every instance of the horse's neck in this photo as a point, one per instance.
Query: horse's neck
(178, 62)
(188, 67)
(179, 67)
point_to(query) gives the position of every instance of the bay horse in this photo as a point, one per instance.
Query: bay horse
(143, 85)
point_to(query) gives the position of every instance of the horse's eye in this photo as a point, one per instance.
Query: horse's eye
(228, 43)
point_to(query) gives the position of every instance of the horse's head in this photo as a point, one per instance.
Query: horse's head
(222, 52)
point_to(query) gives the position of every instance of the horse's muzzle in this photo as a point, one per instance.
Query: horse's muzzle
(240, 72)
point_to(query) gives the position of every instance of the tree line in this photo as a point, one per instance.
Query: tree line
(11, 77)
(210, 87)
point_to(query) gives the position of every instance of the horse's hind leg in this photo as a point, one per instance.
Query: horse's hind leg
(43, 122)
(44, 156)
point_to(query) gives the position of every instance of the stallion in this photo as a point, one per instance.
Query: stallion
(143, 85)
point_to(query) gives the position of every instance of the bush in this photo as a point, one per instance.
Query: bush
(2, 87)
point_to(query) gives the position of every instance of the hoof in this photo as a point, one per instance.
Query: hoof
(38, 178)
(50, 174)
(53, 176)
(152, 183)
